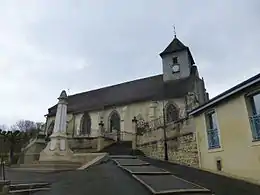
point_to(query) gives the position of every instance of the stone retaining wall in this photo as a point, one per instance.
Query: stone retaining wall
(181, 141)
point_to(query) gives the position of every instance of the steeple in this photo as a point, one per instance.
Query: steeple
(177, 60)
(175, 46)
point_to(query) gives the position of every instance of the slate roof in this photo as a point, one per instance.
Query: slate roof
(175, 46)
(150, 88)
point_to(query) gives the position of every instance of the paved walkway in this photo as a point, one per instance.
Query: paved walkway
(156, 180)
(103, 179)
(108, 178)
(220, 185)
(29, 177)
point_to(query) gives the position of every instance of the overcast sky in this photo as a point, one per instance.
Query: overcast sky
(50, 45)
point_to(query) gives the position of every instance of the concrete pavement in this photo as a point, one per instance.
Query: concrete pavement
(156, 180)
(219, 185)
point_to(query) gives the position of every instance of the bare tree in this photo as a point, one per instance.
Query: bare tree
(24, 125)
(39, 125)
(4, 127)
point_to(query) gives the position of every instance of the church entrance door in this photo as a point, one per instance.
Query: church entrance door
(115, 124)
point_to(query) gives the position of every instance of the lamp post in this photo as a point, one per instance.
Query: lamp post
(164, 126)
(165, 136)
(134, 138)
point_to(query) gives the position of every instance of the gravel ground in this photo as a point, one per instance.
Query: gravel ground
(218, 184)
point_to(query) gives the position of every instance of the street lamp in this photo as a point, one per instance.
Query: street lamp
(134, 138)
(165, 135)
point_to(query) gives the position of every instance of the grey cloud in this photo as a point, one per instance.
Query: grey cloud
(83, 45)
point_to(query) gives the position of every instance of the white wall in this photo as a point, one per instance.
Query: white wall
(183, 60)
(149, 110)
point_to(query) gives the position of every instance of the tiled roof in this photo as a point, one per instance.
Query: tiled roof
(150, 88)
(175, 46)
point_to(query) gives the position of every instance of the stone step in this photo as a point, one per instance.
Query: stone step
(122, 157)
(26, 186)
(47, 163)
(47, 166)
(28, 191)
(145, 170)
(130, 162)
(170, 184)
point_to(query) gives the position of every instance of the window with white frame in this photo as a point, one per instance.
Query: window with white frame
(212, 130)
(254, 103)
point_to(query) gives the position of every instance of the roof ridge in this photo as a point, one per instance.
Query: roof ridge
(110, 86)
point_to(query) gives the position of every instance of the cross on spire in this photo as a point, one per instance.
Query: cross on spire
(174, 30)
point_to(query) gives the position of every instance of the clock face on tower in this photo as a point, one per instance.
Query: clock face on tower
(175, 68)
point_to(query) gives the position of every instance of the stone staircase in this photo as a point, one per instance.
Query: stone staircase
(122, 148)
(119, 148)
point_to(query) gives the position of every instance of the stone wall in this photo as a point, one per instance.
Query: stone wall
(87, 144)
(148, 110)
(83, 144)
(181, 141)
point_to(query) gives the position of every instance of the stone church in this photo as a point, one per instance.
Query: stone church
(178, 89)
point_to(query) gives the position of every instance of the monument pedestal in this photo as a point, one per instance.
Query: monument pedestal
(57, 149)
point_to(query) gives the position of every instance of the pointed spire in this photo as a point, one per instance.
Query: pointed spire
(175, 45)
(63, 95)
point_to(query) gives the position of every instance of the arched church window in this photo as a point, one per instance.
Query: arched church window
(85, 124)
(139, 117)
(114, 121)
(172, 113)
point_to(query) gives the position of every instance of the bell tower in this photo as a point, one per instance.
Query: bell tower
(177, 61)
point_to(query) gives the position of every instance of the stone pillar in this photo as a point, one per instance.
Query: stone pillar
(58, 149)
(134, 138)
(100, 141)
(123, 135)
